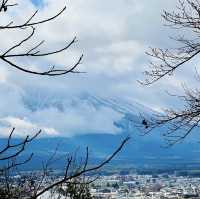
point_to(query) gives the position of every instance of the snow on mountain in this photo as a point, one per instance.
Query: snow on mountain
(101, 124)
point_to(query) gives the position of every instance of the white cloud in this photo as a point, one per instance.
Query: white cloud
(78, 120)
(113, 35)
(23, 128)
(61, 118)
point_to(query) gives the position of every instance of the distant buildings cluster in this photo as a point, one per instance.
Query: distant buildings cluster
(134, 186)
(146, 187)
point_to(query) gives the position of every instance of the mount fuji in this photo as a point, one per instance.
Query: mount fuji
(140, 151)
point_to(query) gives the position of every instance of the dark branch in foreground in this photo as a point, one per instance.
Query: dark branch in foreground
(73, 173)
(17, 148)
(5, 5)
(169, 60)
(84, 170)
(10, 58)
(177, 123)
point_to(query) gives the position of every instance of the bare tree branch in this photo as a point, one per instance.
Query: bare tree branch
(18, 148)
(84, 170)
(167, 61)
(177, 123)
(34, 50)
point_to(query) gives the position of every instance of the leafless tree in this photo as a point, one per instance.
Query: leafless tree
(36, 187)
(181, 122)
(31, 25)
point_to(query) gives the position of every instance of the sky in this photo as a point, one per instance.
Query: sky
(113, 36)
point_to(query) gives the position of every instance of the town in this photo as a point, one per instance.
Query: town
(136, 186)
(118, 186)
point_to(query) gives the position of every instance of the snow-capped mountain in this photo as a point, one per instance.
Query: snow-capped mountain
(104, 124)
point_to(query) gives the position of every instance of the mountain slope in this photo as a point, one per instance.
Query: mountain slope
(140, 151)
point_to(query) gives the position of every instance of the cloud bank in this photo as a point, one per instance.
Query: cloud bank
(113, 36)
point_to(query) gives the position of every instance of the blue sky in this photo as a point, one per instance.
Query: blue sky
(113, 36)
(37, 2)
